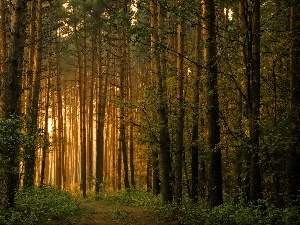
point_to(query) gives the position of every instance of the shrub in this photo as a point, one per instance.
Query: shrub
(40, 206)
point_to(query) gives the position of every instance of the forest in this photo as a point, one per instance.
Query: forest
(194, 104)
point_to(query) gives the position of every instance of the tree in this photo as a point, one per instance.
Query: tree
(180, 113)
(254, 103)
(12, 93)
(3, 48)
(30, 150)
(102, 95)
(294, 156)
(196, 104)
(159, 64)
(213, 127)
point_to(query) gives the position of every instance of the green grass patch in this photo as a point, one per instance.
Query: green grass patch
(40, 206)
(197, 214)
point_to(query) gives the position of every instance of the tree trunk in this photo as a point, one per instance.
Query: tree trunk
(154, 66)
(255, 178)
(102, 93)
(159, 64)
(210, 60)
(122, 83)
(196, 105)
(132, 95)
(12, 93)
(180, 116)
(91, 111)
(46, 118)
(294, 157)
(33, 114)
(3, 49)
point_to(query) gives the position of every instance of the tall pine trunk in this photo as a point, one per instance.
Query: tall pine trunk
(294, 156)
(46, 133)
(195, 126)
(255, 178)
(154, 66)
(159, 60)
(102, 96)
(180, 115)
(12, 94)
(34, 109)
(213, 128)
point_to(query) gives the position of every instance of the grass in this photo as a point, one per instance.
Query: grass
(197, 214)
(40, 206)
(46, 204)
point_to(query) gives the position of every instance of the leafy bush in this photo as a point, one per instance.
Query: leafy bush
(130, 197)
(189, 213)
(40, 206)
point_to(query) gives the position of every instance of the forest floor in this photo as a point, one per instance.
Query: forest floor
(103, 213)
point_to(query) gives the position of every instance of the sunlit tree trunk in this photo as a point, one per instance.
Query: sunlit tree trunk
(60, 121)
(34, 109)
(116, 174)
(102, 96)
(132, 95)
(55, 173)
(82, 109)
(46, 118)
(119, 160)
(31, 57)
(66, 152)
(112, 120)
(180, 115)
(75, 127)
(213, 127)
(122, 88)
(91, 113)
(29, 149)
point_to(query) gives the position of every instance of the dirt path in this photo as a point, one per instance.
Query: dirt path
(99, 213)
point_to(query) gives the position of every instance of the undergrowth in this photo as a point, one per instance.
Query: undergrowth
(197, 214)
(40, 206)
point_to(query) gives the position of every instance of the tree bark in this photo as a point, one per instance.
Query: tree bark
(102, 95)
(154, 66)
(34, 109)
(12, 93)
(255, 177)
(180, 115)
(3, 49)
(195, 126)
(210, 61)
(294, 156)
(46, 118)
(159, 60)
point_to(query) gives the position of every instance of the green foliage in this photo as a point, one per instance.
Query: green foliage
(9, 134)
(40, 206)
(189, 213)
(264, 213)
(131, 197)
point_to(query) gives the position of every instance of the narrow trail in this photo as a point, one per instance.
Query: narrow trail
(100, 213)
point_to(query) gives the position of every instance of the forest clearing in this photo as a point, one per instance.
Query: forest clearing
(159, 111)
